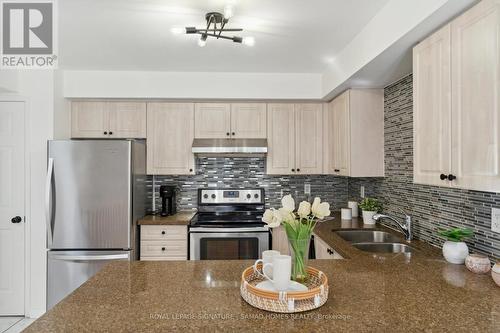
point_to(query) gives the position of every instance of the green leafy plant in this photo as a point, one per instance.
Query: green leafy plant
(370, 205)
(456, 234)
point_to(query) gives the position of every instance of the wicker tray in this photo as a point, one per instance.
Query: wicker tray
(285, 302)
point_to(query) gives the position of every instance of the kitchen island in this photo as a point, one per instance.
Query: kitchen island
(368, 292)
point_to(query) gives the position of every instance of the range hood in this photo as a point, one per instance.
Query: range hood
(230, 147)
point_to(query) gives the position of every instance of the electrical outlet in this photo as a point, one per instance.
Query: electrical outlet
(362, 192)
(307, 189)
(495, 220)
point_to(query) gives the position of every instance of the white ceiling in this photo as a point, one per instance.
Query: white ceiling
(292, 36)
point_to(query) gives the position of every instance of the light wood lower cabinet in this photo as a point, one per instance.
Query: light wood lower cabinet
(170, 136)
(164, 242)
(280, 240)
(323, 251)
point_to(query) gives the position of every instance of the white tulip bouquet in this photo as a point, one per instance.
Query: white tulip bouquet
(299, 226)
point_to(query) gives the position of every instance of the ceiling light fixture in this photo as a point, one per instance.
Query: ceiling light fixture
(216, 23)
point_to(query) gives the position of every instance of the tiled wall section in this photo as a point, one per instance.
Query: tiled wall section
(432, 207)
(243, 172)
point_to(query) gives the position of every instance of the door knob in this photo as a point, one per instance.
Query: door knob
(16, 219)
(451, 177)
(443, 176)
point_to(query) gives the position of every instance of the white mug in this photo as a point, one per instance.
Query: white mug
(267, 258)
(282, 269)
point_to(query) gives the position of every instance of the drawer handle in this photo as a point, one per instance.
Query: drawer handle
(163, 232)
(163, 249)
(443, 176)
(336, 170)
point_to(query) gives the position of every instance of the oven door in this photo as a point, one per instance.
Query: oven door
(227, 244)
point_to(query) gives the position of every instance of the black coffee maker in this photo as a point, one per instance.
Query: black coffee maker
(167, 194)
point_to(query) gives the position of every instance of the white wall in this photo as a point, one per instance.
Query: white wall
(191, 85)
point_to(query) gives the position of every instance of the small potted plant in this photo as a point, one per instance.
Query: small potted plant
(454, 249)
(370, 207)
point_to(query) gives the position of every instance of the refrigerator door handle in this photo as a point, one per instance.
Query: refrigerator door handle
(48, 197)
(90, 257)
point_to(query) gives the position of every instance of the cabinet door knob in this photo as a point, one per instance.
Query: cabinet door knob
(329, 251)
(451, 177)
(110, 133)
(293, 170)
(163, 232)
(105, 133)
(227, 133)
(336, 170)
(443, 176)
(190, 170)
(298, 170)
(233, 133)
(163, 249)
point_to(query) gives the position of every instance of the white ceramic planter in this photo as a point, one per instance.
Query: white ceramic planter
(495, 273)
(368, 217)
(455, 252)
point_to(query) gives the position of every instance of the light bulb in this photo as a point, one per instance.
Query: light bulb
(249, 41)
(178, 30)
(228, 11)
(202, 42)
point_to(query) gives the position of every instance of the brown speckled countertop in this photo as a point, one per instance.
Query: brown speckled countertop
(181, 218)
(368, 292)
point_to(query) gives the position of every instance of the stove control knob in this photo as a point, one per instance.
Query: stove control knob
(248, 196)
(205, 196)
(213, 196)
(256, 196)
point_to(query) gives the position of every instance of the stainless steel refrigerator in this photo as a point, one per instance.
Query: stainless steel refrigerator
(95, 193)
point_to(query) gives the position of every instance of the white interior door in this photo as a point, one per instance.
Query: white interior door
(12, 208)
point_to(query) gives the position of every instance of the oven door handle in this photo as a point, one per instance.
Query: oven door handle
(231, 230)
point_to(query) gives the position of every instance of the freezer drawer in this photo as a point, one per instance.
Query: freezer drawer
(67, 270)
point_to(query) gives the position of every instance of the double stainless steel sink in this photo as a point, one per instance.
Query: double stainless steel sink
(374, 241)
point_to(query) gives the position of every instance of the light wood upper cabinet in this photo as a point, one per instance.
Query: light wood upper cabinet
(170, 134)
(294, 138)
(127, 119)
(212, 120)
(432, 108)
(309, 138)
(280, 139)
(113, 120)
(248, 120)
(475, 83)
(469, 138)
(354, 134)
(89, 120)
(236, 120)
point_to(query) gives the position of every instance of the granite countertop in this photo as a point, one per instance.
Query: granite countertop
(368, 292)
(180, 218)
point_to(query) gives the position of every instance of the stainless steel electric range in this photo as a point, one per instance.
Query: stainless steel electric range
(228, 225)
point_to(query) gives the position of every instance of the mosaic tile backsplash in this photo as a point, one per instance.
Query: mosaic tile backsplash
(244, 172)
(431, 207)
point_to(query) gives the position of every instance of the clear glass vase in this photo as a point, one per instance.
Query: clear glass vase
(299, 250)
